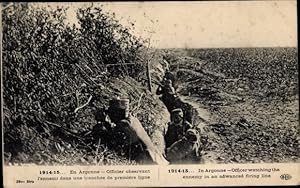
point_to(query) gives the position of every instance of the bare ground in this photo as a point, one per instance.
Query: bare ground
(241, 127)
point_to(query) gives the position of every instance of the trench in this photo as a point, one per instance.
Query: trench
(199, 117)
(202, 113)
(202, 118)
(195, 113)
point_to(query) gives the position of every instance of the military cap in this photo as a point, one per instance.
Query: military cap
(178, 111)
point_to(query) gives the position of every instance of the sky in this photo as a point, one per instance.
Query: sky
(207, 24)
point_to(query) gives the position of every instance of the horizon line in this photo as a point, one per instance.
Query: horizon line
(226, 47)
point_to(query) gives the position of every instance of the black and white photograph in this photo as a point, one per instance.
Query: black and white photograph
(149, 83)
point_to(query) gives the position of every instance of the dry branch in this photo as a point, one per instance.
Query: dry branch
(78, 108)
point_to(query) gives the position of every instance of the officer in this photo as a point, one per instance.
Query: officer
(182, 140)
(114, 127)
(177, 128)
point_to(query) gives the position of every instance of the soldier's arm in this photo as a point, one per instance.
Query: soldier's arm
(188, 125)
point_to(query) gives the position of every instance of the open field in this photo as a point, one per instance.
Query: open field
(251, 96)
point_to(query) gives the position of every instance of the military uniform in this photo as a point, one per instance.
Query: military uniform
(185, 150)
(170, 76)
(176, 132)
(182, 141)
(113, 129)
(168, 94)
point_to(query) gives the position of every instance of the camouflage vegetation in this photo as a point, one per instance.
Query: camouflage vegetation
(51, 67)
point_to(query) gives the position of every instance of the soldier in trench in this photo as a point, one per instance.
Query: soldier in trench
(113, 128)
(182, 140)
(168, 93)
(170, 76)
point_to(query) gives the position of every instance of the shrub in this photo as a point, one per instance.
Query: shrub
(51, 67)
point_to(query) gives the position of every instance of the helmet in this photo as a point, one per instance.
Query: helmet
(177, 111)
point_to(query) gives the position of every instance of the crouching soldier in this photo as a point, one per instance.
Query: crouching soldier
(126, 134)
(123, 138)
(182, 141)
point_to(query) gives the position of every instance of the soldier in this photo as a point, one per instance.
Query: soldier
(114, 127)
(166, 87)
(170, 76)
(176, 128)
(168, 93)
(185, 150)
(166, 63)
(182, 141)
